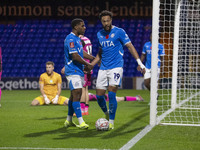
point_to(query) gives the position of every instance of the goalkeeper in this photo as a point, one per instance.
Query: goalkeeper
(50, 88)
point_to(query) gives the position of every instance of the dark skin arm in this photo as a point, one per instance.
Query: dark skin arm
(78, 58)
(88, 56)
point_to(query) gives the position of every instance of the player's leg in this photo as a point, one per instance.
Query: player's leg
(86, 101)
(69, 122)
(92, 97)
(62, 100)
(87, 79)
(76, 85)
(112, 105)
(101, 87)
(129, 98)
(38, 101)
(147, 79)
(106, 97)
(83, 100)
(0, 97)
(0, 88)
(115, 78)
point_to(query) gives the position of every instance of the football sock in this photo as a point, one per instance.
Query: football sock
(70, 108)
(106, 97)
(77, 109)
(80, 120)
(130, 98)
(0, 93)
(70, 111)
(111, 121)
(112, 105)
(92, 97)
(82, 107)
(102, 103)
(86, 107)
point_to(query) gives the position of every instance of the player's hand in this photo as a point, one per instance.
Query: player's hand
(63, 70)
(46, 100)
(55, 100)
(87, 69)
(142, 69)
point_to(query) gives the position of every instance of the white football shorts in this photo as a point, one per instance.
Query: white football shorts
(111, 77)
(147, 74)
(75, 82)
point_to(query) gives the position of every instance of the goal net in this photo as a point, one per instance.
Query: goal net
(175, 95)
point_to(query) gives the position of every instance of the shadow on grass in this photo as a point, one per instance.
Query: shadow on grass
(123, 129)
(66, 133)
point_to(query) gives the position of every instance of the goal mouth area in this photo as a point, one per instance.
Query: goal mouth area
(181, 115)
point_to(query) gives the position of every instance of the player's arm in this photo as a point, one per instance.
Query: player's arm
(97, 58)
(88, 56)
(142, 58)
(134, 53)
(63, 70)
(55, 99)
(42, 89)
(78, 58)
(59, 89)
(162, 64)
(46, 100)
(88, 67)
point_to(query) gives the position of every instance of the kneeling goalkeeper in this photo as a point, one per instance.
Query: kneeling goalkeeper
(50, 88)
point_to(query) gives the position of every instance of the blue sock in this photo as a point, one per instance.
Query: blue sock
(112, 105)
(77, 109)
(70, 108)
(102, 103)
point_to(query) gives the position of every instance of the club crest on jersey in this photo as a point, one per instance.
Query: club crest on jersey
(112, 35)
(71, 44)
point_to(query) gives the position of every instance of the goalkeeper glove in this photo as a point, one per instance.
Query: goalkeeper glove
(46, 100)
(55, 100)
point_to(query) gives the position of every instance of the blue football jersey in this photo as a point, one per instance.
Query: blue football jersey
(112, 44)
(147, 49)
(72, 44)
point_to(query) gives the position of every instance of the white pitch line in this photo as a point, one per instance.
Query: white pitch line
(135, 139)
(40, 148)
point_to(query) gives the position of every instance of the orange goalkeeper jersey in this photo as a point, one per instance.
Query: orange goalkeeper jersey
(50, 83)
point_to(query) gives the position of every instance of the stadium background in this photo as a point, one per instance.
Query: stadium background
(32, 33)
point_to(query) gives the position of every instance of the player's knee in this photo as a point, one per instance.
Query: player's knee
(147, 83)
(35, 103)
(113, 88)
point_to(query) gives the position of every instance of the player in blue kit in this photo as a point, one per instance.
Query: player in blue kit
(111, 41)
(74, 65)
(146, 53)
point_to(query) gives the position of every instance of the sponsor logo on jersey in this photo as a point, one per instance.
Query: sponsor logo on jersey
(107, 43)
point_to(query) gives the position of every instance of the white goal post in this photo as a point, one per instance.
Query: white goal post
(175, 94)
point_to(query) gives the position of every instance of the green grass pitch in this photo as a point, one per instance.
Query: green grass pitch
(22, 125)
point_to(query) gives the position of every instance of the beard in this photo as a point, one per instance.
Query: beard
(107, 28)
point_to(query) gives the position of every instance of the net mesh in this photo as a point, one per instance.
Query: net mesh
(187, 102)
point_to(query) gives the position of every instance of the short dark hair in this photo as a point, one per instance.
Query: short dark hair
(50, 63)
(105, 13)
(76, 22)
